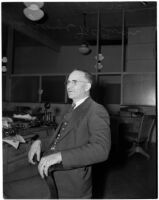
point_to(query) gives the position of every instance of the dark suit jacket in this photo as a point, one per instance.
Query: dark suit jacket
(85, 141)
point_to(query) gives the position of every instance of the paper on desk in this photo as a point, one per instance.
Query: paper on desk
(14, 140)
(26, 116)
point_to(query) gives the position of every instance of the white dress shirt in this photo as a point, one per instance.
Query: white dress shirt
(79, 102)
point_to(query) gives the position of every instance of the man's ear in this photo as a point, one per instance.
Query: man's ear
(88, 86)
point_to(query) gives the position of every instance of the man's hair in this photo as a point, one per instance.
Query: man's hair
(87, 74)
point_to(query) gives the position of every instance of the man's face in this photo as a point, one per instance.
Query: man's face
(77, 86)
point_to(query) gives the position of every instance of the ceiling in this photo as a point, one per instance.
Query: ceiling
(63, 21)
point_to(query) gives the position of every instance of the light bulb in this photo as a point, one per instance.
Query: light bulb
(33, 14)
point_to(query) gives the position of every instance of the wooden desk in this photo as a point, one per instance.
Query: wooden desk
(14, 159)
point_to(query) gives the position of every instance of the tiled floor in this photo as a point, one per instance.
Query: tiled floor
(127, 178)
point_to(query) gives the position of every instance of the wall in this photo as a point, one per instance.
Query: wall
(45, 60)
(141, 49)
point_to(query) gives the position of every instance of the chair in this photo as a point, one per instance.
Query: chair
(141, 138)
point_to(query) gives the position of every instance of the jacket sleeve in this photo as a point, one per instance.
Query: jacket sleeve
(98, 146)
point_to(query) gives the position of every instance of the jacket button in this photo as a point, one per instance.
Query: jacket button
(52, 148)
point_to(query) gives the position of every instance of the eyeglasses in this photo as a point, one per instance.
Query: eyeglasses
(74, 82)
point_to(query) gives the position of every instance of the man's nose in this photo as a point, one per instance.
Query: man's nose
(70, 84)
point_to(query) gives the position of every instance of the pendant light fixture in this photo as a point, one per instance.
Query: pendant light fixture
(33, 11)
(84, 48)
(39, 4)
(99, 57)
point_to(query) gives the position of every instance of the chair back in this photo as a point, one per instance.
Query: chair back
(146, 126)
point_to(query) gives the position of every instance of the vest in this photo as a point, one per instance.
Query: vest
(65, 122)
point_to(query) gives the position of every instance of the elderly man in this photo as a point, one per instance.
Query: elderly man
(82, 139)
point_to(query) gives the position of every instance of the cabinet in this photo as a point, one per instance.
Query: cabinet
(14, 159)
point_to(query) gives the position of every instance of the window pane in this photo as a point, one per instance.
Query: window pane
(139, 90)
(24, 89)
(108, 90)
(53, 89)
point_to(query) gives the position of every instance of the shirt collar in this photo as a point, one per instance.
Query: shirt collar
(80, 102)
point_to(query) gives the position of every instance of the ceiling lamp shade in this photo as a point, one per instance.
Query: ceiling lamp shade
(84, 49)
(33, 12)
(39, 4)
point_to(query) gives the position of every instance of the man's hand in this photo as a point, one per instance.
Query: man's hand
(35, 149)
(47, 161)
